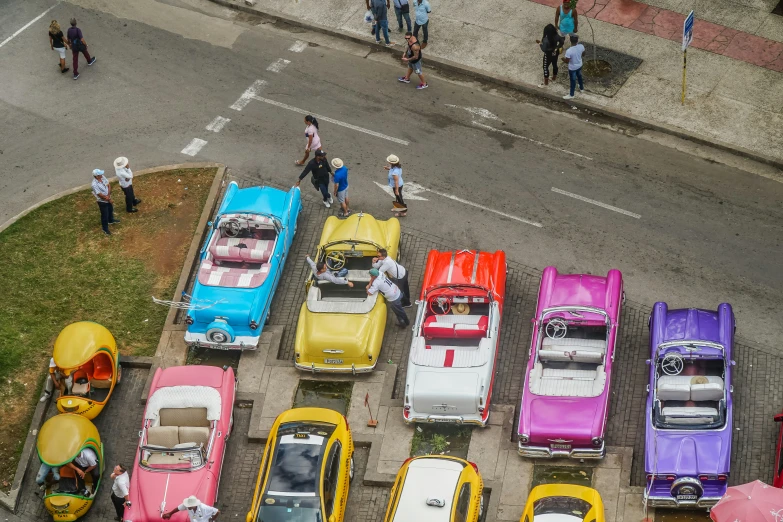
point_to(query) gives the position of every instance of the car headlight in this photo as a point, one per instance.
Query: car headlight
(597, 441)
(189, 320)
(524, 439)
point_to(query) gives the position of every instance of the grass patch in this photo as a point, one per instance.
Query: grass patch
(441, 439)
(543, 474)
(57, 267)
(334, 395)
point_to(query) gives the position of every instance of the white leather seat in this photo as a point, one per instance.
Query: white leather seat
(688, 415)
(572, 350)
(681, 388)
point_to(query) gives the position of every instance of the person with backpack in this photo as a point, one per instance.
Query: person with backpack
(57, 43)
(551, 44)
(313, 139)
(78, 45)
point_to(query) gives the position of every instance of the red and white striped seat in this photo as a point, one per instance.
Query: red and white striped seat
(241, 250)
(455, 326)
(210, 274)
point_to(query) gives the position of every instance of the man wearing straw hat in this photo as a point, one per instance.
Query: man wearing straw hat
(197, 512)
(124, 174)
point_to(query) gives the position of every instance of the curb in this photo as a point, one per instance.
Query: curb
(531, 90)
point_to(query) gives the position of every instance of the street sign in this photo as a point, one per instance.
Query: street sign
(687, 31)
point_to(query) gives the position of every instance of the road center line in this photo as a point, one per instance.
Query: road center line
(217, 124)
(194, 147)
(326, 118)
(28, 24)
(594, 202)
(279, 65)
(518, 136)
(298, 46)
(482, 207)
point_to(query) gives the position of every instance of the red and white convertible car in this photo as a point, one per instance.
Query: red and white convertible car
(451, 366)
(182, 441)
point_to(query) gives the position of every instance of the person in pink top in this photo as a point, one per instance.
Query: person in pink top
(313, 139)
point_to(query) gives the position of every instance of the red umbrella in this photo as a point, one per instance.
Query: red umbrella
(752, 502)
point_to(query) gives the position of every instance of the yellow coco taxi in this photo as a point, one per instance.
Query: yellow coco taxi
(85, 352)
(436, 488)
(340, 328)
(61, 439)
(563, 503)
(306, 468)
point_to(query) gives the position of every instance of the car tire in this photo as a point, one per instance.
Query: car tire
(350, 470)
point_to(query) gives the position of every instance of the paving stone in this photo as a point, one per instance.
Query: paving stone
(483, 449)
(396, 442)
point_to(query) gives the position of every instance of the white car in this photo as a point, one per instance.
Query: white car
(451, 366)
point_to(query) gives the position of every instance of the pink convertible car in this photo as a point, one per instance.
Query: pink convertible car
(182, 441)
(565, 398)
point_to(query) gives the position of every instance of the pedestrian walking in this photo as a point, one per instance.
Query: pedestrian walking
(340, 180)
(551, 44)
(412, 57)
(78, 45)
(312, 136)
(57, 43)
(422, 20)
(119, 490)
(396, 183)
(320, 169)
(391, 293)
(125, 175)
(573, 57)
(196, 510)
(102, 192)
(380, 11)
(402, 9)
(566, 19)
(394, 271)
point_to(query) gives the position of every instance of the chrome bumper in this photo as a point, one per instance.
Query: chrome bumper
(671, 502)
(328, 369)
(244, 342)
(544, 452)
(443, 419)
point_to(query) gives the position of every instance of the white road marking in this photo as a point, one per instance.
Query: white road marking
(248, 95)
(194, 147)
(326, 118)
(518, 136)
(279, 65)
(298, 46)
(476, 111)
(217, 124)
(411, 189)
(28, 24)
(594, 202)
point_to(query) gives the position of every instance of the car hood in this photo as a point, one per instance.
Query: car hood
(148, 489)
(441, 393)
(573, 419)
(688, 454)
(347, 332)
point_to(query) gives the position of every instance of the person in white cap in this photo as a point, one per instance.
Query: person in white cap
(197, 512)
(395, 182)
(124, 174)
(102, 192)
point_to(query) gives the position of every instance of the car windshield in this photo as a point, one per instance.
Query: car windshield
(289, 510)
(568, 506)
(171, 459)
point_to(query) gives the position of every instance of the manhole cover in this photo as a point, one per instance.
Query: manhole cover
(597, 68)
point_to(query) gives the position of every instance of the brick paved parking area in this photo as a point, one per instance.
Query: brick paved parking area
(757, 393)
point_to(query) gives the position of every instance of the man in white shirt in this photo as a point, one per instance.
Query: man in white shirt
(394, 271)
(321, 273)
(119, 490)
(86, 462)
(125, 175)
(392, 294)
(102, 192)
(573, 57)
(197, 512)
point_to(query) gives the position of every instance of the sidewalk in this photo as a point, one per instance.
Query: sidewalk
(735, 70)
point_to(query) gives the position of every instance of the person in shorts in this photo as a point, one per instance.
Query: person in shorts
(340, 180)
(412, 57)
(57, 43)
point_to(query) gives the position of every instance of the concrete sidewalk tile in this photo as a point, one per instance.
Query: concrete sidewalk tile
(500, 468)
(777, 65)
(621, 12)
(516, 481)
(771, 28)
(668, 24)
(721, 41)
(251, 369)
(483, 449)
(279, 393)
(607, 482)
(510, 512)
(748, 82)
(359, 415)
(631, 508)
(704, 30)
(753, 49)
(396, 445)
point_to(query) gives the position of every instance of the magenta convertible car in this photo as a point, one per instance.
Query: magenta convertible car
(565, 398)
(688, 415)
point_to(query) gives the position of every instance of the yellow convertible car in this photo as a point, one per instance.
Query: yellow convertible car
(563, 503)
(340, 328)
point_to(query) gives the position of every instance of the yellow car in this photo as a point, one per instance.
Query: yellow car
(340, 329)
(563, 503)
(306, 468)
(436, 488)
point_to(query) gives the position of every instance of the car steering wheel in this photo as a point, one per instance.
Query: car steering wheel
(335, 260)
(672, 364)
(232, 228)
(441, 303)
(556, 328)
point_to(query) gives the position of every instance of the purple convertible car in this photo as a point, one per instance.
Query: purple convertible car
(689, 415)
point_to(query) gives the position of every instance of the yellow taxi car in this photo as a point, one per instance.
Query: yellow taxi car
(61, 439)
(563, 503)
(340, 328)
(86, 353)
(436, 488)
(306, 469)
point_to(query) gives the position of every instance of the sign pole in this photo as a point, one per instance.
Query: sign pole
(372, 423)
(684, 66)
(687, 38)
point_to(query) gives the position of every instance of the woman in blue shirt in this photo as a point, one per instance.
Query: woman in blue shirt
(396, 183)
(422, 8)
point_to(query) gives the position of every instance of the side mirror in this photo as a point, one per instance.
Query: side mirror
(209, 223)
(734, 363)
(647, 362)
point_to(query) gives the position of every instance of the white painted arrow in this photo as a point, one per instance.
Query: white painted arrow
(410, 191)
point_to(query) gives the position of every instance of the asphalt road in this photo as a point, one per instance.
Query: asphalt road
(694, 232)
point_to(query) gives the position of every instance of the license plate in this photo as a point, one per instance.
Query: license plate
(686, 497)
(333, 361)
(445, 420)
(561, 446)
